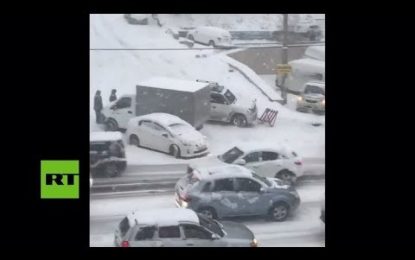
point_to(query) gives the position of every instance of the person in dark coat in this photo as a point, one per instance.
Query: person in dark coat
(98, 106)
(113, 96)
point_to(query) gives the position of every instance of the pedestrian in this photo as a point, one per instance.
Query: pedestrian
(98, 106)
(113, 96)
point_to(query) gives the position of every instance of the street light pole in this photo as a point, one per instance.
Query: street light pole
(284, 56)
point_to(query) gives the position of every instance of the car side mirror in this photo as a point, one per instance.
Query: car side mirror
(240, 162)
(262, 190)
(215, 236)
(114, 107)
(165, 135)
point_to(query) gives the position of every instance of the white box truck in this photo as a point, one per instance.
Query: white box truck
(189, 100)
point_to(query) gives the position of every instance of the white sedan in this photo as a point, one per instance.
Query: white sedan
(278, 162)
(166, 133)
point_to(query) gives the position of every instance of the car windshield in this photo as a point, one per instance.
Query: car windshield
(310, 89)
(262, 179)
(230, 96)
(180, 128)
(231, 155)
(211, 224)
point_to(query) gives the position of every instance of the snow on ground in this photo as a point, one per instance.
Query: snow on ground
(122, 70)
(304, 228)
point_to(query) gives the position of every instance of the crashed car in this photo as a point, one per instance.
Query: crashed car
(313, 98)
(180, 228)
(266, 161)
(106, 154)
(233, 191)
(225, 108)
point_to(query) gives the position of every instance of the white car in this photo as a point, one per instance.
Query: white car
(212, 36)
(281, 163)
(166, 133)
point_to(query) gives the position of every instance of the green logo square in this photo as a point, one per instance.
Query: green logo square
(59, 179)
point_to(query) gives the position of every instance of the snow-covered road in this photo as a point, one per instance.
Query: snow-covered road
(304, 228)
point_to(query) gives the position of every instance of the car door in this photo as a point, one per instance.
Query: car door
(271, 164)
(144, 132)
(197, 236)
(219, 109)
(170, 236)
(254, 161)
(145, 237)
(224, 198)
(163, 137)
(123, 111)
(249, 192)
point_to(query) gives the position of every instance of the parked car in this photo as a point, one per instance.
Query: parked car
(212, 36)
(232, 190)
(266, 161)
(180, 228)
(106, 154)
(167, 133)
(141, 19)
(313, 98)
(225, 107)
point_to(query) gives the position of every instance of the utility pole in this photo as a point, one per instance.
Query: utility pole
(284, 56)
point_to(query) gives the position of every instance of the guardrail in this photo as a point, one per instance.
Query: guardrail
(164, 177)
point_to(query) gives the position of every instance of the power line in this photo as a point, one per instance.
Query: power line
(193, 49)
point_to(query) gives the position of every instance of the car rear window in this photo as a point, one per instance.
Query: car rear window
(124, 226)
(169, 232)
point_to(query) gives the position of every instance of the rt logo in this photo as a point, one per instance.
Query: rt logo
(59, 179)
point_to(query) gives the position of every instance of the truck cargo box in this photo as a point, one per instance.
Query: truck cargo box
(189, 100)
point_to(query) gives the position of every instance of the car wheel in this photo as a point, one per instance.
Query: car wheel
(279, 211)
(111, 170)
(212, 43)
(134, 140)
(239, 120)
(175, 151)
(286, 175)
(111, 125)
(208, 212)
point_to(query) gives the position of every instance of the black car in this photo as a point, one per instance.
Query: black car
(106, 154)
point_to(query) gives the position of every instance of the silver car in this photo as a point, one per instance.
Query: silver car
(232, 190)
(180, 228)
(313, 98)
(225, 108)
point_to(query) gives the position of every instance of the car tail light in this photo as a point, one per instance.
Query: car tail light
(185, 198)
(125, 244)
(298, 163)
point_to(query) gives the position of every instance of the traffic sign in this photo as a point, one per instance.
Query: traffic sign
(283, 69)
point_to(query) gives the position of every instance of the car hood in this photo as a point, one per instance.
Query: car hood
(279, 184)
(193, 137)
(237, 230)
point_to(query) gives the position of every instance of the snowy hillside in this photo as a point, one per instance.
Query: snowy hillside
(123, 69)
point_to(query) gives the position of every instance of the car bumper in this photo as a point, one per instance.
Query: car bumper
(190, 152)
(305, 106)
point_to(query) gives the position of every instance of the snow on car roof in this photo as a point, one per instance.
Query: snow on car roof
(308, 64)
(213, 29)
(105, 136)
(161, 118)
(249, 147)
(173, 84)
(316, 52)
(162, 217)
(223, 171)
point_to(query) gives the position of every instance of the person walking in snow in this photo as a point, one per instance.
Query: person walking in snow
(113, 96)
(98, 106)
